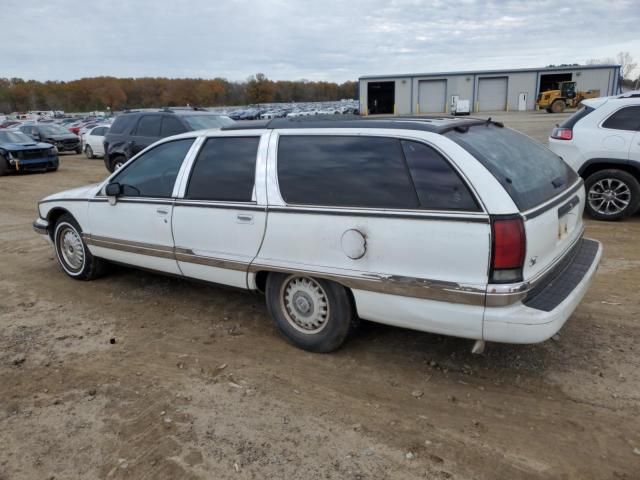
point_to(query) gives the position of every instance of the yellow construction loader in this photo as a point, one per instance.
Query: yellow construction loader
(555, 101)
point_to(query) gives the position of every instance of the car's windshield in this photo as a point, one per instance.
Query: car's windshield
(203, 122)
(14, 137)
(53, 130)
(528, 171)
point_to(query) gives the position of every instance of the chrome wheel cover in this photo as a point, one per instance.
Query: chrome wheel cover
(71, 248)
(609, 196)
(305, 304)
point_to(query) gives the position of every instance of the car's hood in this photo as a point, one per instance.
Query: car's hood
(15, 147)
(76, 193)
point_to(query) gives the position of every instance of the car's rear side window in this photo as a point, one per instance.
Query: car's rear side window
(627, 118)
(528, 171)
(344, 171)
(225, 170)
(576, 117)
(438, 185)
(122, 123)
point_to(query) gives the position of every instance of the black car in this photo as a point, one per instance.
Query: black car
(58, 136)
(135, 131)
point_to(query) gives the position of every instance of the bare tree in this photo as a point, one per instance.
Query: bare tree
(625, 60)
(600, 61)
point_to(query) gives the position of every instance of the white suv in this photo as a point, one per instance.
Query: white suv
(601, 141)
(459, 227)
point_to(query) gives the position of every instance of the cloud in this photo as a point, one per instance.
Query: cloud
(325, 40)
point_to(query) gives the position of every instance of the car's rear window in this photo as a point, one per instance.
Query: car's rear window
(528, 171)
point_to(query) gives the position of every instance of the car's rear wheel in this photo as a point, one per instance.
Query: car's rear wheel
(73, 255)
(313, 314)
(88, 151)
(4, 167)
(612, 194)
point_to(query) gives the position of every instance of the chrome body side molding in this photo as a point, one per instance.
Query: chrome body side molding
(389, 284)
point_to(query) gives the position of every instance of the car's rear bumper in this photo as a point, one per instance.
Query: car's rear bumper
(545, 311)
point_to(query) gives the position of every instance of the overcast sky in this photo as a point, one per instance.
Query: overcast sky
(314, 39)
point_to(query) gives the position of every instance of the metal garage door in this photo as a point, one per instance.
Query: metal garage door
(492, 94)
(432, 96)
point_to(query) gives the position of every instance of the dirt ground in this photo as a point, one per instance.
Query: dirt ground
(145, 377)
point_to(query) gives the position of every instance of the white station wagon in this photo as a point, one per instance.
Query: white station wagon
(455, 226)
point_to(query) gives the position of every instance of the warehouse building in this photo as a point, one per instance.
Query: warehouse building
(490, 90)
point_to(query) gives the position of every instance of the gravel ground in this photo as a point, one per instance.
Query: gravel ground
(141, 376)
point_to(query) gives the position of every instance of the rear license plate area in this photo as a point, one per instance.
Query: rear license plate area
(565, 217)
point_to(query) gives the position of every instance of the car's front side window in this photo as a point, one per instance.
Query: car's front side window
(154, 173)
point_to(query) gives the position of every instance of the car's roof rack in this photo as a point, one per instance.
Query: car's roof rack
(630, 94)
(436, 124)
(179, 109)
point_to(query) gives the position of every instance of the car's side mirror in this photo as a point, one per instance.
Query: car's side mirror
(113, 191)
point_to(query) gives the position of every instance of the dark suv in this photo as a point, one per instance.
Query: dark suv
(133, 132)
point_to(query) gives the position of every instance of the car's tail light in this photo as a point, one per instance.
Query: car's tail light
(562, 133)
(507, 250)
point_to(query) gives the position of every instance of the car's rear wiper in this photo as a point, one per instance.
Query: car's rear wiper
(558, 182)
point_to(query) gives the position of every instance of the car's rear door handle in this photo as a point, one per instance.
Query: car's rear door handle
(162, 211)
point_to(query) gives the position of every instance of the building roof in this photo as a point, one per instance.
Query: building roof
(490, 72)
(436, 124)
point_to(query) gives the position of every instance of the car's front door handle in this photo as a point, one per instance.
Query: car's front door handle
(162, 211)
(244, 218)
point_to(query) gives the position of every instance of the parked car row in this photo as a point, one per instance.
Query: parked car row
(282, 110)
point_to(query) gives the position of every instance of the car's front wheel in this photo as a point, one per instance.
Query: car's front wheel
(79, 150)
(88, 151)
(612, 194)
(314, 314)
(117, 162)
(73, 255)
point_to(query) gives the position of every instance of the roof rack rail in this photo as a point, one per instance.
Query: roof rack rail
(188, 107)
(630, 94)
(436, 124)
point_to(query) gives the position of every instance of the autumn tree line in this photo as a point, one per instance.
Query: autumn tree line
(100, 93)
